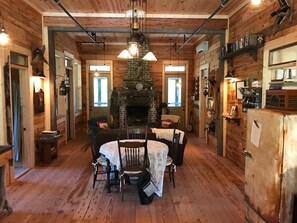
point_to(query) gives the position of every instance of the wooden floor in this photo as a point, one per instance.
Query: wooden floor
(209, 189)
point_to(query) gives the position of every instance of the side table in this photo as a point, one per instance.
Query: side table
(48, 147)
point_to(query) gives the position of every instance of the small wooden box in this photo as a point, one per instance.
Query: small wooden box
(281, 100)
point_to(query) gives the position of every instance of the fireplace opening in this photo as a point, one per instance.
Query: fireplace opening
(137, 115)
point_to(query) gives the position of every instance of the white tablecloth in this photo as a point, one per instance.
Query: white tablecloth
(157, 153)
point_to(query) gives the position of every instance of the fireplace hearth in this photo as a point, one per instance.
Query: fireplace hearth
(137, 115)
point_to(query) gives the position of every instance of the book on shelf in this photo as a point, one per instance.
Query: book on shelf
(50, 132)
(289, 87)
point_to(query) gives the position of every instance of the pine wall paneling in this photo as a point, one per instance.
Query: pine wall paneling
(250, 20)
(64, 42)
(212, 58)
(162, 52)
(24, 26)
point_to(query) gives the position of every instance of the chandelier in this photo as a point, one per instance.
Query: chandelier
(137, 38)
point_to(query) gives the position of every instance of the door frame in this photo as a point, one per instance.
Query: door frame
(94, 62)
(186, 99)
(27, 106)
(202, 100)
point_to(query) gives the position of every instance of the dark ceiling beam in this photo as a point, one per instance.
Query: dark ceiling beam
(128, 30)
(77, 23)
(223, 3)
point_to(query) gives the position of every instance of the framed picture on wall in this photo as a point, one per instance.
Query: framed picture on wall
(239, 84)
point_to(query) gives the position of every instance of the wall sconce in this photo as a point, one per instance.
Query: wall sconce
(256, 2)
(39, 73)
(229, 75)
(4, 38)
(62, 88)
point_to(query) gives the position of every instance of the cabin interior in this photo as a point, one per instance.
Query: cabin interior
(214, 62)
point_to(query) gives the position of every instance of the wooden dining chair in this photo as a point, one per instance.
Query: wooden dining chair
(100, 163)
(137, 132)
(133, 157)
(172, 156)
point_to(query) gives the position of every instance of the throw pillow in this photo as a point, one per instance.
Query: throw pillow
(102, 125)
(166, 123)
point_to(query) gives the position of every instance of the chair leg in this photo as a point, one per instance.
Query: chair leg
(172, 175)
(122, 184)
(169, 172)
(95, 178)
(108, 177)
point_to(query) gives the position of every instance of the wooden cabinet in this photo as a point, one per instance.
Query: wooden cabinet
(6, 157)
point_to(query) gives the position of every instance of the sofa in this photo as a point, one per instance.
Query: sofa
(107, 135)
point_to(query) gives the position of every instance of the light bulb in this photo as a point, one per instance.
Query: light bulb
(4, 39)
(256, 2)
(133, 49)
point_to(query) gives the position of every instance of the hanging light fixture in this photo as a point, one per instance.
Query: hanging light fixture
(4, 38)
(136, 15)
(229, 75)
(256, 2)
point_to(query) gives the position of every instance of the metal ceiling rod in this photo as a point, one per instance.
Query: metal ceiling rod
(223, 3)
(76, 22)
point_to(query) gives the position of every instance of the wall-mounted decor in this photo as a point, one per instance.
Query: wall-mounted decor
(239, 84)
(233, 111)
(39, 101)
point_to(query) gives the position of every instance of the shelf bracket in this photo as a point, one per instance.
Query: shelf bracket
(253, 54)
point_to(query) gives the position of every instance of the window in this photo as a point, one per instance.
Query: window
(100, 68)
(78, 87)
(170, 68)
(18, 59)
(100, 92)
(283, 55)
(174, 91)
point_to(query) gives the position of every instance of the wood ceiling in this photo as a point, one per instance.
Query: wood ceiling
(165, 19)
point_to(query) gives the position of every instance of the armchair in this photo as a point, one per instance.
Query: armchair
(169, 121)
(99, 123)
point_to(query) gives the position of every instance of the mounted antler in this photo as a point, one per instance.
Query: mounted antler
(283, 12)
(37, 55)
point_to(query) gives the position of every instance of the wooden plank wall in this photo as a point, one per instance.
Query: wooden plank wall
(24, 26)
(162, 52)
(250, 20)
(211, 57)
(64, 42)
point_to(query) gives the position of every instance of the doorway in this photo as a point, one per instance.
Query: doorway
(18, 128)
(204, 70)
(175, 91)
(99, 95)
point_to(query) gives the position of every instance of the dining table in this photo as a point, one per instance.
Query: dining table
(157, 153)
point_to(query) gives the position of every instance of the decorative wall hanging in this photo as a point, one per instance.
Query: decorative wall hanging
(38, 55)
(283, 12)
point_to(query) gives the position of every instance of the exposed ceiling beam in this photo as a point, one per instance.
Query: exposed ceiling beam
(123, 15)
(128, 30)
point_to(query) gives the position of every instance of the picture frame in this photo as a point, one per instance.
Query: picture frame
(239, 84)
(233, 110)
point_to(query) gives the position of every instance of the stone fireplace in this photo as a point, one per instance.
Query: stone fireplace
(137, 98)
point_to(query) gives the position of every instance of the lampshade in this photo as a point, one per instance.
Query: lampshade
(4, 39)
(229, 75)
(42, 75)
(125, 54)
(149, 57)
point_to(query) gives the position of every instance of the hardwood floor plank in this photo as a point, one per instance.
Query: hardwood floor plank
(208, 189)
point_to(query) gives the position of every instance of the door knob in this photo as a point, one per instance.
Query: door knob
(247, 153)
